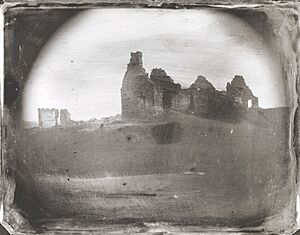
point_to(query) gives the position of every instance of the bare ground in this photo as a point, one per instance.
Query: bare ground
(187, 170)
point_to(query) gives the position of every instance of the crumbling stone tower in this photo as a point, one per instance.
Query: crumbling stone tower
(48, 117)
(242, 93)
(65, 117)
(137, 90)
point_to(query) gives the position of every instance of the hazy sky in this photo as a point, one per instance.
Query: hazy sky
(82, 66)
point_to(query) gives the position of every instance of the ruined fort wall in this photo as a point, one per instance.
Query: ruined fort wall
(137, 90)
(200, 102)
(143, 96)
(137, 100)
(239, 89)
(65, 117)
(182, 100)
(157, 98)
(48, 117)
(214, 104)
(255, 104)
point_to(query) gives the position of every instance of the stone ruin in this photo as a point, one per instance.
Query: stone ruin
(52, 117)
(143, 96)
(65, 117)
(48, 117)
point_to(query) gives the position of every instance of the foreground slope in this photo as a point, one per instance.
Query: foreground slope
(185, 169)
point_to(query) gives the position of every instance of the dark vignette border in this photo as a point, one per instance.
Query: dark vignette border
(22, 30)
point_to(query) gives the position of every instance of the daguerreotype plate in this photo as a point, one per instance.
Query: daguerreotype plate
(149, 117)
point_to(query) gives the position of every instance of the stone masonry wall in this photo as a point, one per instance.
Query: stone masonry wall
(65, 117)
(137, 90)
(48, 117)
(157, 98)
(142, 97)
(182, 101)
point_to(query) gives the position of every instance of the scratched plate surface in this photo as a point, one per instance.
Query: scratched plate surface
(149, 120)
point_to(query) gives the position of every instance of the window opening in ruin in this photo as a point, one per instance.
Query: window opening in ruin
(249, 103)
